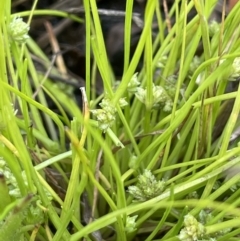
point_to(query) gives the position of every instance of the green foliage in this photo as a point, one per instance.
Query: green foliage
(59, 169)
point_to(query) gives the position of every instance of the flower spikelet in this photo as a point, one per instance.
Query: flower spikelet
(193, 230)
(18, 30)
(131, 224)
(147, 187)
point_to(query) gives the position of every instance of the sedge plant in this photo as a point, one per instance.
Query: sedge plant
(138, 162)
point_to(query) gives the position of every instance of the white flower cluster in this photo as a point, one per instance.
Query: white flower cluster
(162, 95)
(10, 180)
(18, 30)
(106, 115)
(147, 187)
(131, 224)
(193, 230)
